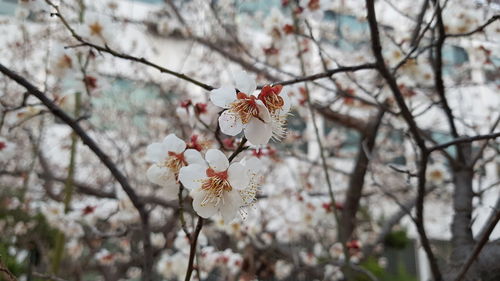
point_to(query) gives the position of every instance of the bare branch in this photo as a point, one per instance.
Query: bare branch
(478, 29)
(326, 74)
(479, 246)
(464, 140)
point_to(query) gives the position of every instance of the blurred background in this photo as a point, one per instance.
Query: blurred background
(109, 65)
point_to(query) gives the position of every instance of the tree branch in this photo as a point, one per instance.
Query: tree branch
(478, 29)
(381, 66)
(192, 250)
(112, 52)
(461, 140)
(479, 246)
(326, 74)
(357, 178)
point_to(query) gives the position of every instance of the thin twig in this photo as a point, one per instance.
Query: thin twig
(192, 250)
(478, 29)
(326, 74)
(464, 140)
(5, 272)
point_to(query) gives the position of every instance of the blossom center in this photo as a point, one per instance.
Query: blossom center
(214, 186)
(271, 98)
(245, 106)
(175, 161)
(2, 145)
(195, 144)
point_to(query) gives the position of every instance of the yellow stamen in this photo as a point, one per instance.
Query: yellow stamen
(246, 108)
(214, 187)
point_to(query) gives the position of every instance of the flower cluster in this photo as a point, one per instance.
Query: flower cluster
(215, 185)
(260, 115)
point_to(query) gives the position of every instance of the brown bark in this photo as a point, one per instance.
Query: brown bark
(357, 178)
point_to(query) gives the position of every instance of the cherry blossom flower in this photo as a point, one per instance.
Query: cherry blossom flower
(277, 101)
(245, 111)
(218, 187)
(97, 29)
(260, 117)
(169, 157)
(62, 61)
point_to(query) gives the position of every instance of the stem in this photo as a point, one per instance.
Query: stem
(192, 251)
(194, 236)
(181, 211)
(238, 150)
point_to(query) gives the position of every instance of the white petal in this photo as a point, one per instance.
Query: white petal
(244, 82)
(263, 112)
(230, 123)
(232, 203)
(217, 160)
(193, 156)
(174, 143)
(258, 132)
(192, 176)
(160, 175)
(238, 176)
(156, 152)
(223, 96)
(205, 211)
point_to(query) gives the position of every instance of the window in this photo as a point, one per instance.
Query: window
(492, 74)
(252, 7)
(351, 32)
(8, 7)
(454, 59)
(296, 125)
(124, 96)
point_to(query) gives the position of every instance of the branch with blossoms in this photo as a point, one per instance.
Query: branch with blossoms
(162, 69)
(112, 52)
(218, 185)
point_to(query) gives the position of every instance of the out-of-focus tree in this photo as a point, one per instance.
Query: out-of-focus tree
(249, 140)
